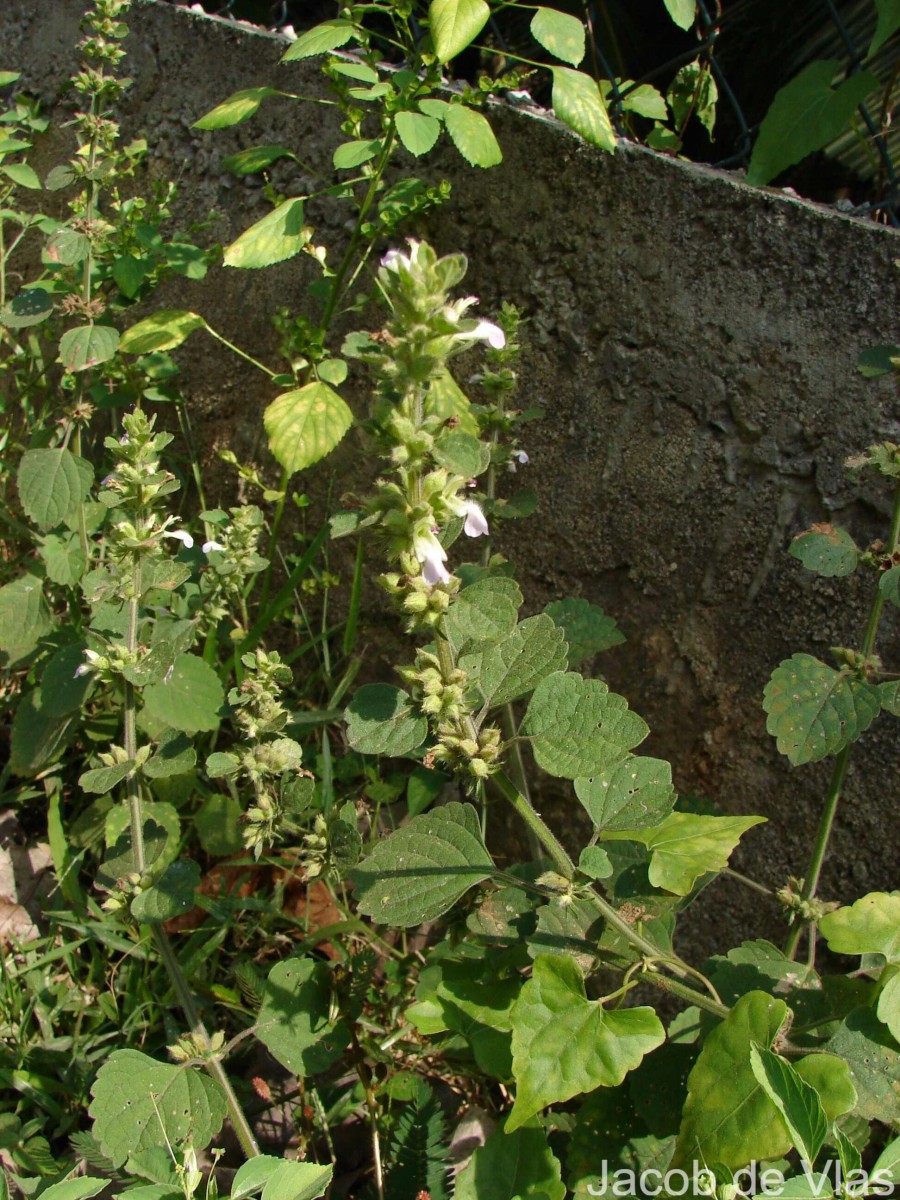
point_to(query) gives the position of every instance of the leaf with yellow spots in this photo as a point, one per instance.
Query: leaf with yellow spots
(306, 424)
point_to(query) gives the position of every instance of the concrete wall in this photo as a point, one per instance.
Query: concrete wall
(693, 341)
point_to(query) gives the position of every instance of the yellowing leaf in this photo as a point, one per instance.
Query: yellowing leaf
(305, 425)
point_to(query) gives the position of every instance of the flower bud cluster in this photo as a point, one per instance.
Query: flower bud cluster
(256, 703)
(233, 556)
(470, 752)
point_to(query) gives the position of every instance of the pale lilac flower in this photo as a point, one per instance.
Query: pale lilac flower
(395, 259)
(487, 331)
(211, 545)
(184, 538)
(518, 456)
(476, 522)
(432, 555)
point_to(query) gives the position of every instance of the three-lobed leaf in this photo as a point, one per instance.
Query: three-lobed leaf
(687, 845)
(421, 869)
(564, 1044)
(305, 425)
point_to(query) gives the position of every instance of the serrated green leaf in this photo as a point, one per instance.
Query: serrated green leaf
(305, 425)
(728, 1118)
(162, 331)
(255, 159)
(139, 1102)
(86, 347)
(29, 307)
(587, 628)
(878, 360)
(483, 612)
(171, 895)
(872, 1058)
(471, 134)
(870, 926)
(279, 235)
(417, 132)
(559, 33)
(806, 115)
(682, 12)
(572, 929)
(455, 24)
(252, 1176)
(889, 585)
(564, 1044)
(646, 101)
(381, 720)
(22, 174)
(512, 1165)
(296, 1022)
(62, 690)
(889, 696)
(685, 846)
(888, 1007)
(798, 1102)
(329, 35)
(461, 453)
(515, 666)
(38, 739)
(578, 727)
(633, 793)
(101, 780)
(24, 617)
(826, 550)
(189, 698)
(578, 103)
(814, 710)
(445, 399)
(236, 108)
(68, 246)
(63, 558)
(888, 23)
(421, 869)
(52, 483)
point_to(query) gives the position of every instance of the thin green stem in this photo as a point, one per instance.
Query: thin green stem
(839, 770)
(239, 352)
(133, 788)
(192, 1014)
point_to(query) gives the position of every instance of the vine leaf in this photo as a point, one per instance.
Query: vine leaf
(381, 720)
(190, 696)
(138, 1100)
(295, 1021)
(279, 235)
(280, 1180)
(564, 1044)
(238, 107)
(471, 134)
(578, 103)
(164, 330)
(826, 550)
(796, 1100)
(806, 115)
(587, 628)
(888, 23)
(52, 483)
(560, 33)
(629, 795)
(578, 727)
(420, 870)
(686, 845)
(512, 1165)
(870, 926)
(455, 24)
(305, 425)
(727, 1117)
(814, 710)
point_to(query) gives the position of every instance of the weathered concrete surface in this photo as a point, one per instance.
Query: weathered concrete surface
(693, 342)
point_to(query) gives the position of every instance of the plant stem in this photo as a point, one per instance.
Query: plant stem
(129, 736)
(239, 352)
(213, 1066)
(839, 770)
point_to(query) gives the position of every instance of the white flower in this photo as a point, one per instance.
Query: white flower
(432, 555)
(184, 538)
(86, 667)
(486, 331)
(476, 522)
(208, 546)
